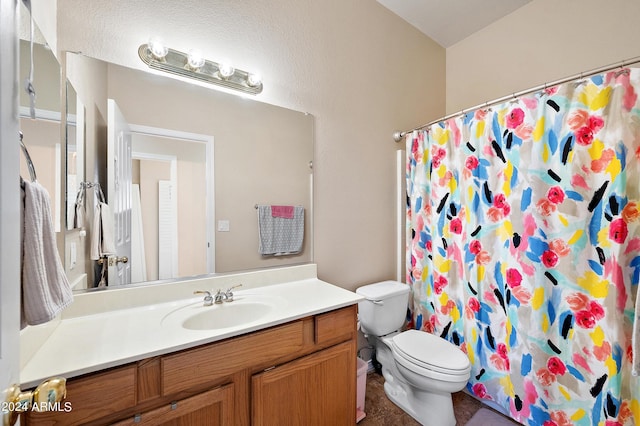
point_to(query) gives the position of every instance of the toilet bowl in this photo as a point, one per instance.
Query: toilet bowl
(421, 370)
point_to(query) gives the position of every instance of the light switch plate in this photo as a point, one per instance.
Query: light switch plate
(223, 226)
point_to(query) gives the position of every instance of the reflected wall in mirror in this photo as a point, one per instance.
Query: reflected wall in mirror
(200, 161)
(42, 134)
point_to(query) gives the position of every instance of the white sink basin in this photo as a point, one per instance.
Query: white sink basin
(242, 311)
(226, 315)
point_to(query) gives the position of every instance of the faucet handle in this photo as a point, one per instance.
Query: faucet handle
(220, 297)
(229, 293)
(208, 299)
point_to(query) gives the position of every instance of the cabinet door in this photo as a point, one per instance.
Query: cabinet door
(214, 407)
(319, 389)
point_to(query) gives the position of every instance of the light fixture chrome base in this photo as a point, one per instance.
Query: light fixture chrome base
(176, 62)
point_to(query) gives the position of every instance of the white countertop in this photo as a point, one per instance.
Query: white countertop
(88, 343)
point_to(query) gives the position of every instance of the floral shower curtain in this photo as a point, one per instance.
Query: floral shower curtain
(524, 248)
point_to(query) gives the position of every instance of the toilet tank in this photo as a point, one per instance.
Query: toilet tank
(385, 307)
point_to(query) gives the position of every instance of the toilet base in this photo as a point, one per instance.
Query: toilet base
(435, 409)
(428, 407)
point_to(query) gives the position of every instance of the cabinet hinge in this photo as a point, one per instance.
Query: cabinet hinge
(174, 405)
(137, 418)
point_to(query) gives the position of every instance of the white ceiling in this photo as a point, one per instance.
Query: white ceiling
(449, 21)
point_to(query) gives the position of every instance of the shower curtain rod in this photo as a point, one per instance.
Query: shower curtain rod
(397, 136)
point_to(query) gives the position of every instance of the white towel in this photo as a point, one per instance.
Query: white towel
(78, 217)
(635, 338)
(79, 210)
(45, 288)
(278, 236)
(102, 235)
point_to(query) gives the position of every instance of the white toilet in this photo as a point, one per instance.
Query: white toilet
(420, 370)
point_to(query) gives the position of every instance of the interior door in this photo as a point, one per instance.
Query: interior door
(9, 203)
(119, 192)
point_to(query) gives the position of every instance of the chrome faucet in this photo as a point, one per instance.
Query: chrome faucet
(220, 297)
(208, 299)
(229, 293)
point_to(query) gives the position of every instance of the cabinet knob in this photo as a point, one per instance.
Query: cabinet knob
(47, 393)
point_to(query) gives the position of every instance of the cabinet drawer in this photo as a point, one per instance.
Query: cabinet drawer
(93, 397)
(336, 326)
(214, 408)
(202, 365)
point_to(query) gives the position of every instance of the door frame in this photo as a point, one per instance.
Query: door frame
(9, 200)
(209, 176)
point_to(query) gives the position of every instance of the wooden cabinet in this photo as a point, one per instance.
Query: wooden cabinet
(214, 408)
(308, 391)
(302, 372)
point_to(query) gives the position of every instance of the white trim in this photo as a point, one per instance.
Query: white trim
(58, 194)
(9, 201)
(400, 202)
(210, 184)
(138, 256)
(80, 138)
(45, 114)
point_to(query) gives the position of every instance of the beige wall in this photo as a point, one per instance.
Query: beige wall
(545, 40)
(358, 68)
(46, 77)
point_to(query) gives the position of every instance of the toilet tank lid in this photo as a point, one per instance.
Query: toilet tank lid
(382, 290)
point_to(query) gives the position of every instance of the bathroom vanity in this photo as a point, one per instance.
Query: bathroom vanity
(296, 364)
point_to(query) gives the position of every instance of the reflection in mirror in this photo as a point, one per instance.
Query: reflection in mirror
(164, 168)
(74, 137)
(193, 164)
(42, 133)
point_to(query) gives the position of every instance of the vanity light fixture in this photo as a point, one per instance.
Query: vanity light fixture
(157, 49)
(225, 69)
(254, 80)
(194, 65)
(195, 60)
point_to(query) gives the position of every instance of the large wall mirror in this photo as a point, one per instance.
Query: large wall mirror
(181, 168)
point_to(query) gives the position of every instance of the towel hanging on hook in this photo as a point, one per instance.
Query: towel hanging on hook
(79, 211)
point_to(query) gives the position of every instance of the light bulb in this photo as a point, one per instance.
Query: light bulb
(195, 60)
(225, 69)
(254, 80)
(157, 48)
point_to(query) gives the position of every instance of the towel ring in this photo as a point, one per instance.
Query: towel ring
(30, 166)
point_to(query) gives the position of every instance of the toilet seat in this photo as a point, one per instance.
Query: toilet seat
(420, 351)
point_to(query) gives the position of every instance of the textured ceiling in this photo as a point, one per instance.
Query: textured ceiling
(449, 21)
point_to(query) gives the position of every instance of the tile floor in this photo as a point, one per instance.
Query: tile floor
(382, 412)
